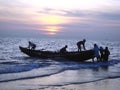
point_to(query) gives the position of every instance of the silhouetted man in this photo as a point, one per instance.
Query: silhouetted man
(96, 52)
(81, 43)
(31, 45)
(63, 50)
(106, 54)
(101, 53)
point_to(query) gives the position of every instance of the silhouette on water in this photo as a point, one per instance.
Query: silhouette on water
(96, 52)
(106, 54)
(31, 45)
(63, 50)
(81, 43)
(101, 54)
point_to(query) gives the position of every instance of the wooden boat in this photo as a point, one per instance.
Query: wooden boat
(74, 56)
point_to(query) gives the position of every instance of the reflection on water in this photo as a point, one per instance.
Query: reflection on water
(103, 68)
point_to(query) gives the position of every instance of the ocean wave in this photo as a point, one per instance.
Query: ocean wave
(57, 68)
(15, 68)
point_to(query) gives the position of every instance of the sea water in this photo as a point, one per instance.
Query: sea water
(16, 66)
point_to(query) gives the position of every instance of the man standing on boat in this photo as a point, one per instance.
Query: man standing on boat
(31, 45)
(81, 43)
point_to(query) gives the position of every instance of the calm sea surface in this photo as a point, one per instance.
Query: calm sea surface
(15, 66)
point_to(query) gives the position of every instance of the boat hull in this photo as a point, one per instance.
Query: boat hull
(74, 56)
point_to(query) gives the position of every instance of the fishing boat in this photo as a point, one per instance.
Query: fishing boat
(72, 56)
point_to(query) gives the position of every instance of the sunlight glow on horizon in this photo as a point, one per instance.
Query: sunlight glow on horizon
(51, 23)
(51, 30)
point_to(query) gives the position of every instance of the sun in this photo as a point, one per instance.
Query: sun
(51, 24)
(52, 19)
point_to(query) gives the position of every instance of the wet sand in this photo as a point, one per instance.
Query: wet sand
(108, 84)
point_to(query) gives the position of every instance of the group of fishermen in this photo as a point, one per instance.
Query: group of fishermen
(99, 53)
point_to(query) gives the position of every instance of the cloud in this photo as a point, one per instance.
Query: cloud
(109, 16)
(71, 13)
(113, 15)
(51, 11)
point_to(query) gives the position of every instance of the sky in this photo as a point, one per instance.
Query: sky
(78, 19)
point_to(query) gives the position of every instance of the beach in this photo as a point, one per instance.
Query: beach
(107, 84)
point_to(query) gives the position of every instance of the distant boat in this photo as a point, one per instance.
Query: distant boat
(72, 56)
